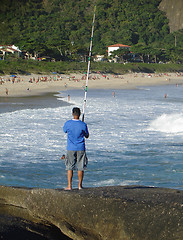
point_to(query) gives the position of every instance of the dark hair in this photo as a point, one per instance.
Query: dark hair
(76, 111)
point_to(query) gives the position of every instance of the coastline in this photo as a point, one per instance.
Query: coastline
(35, 85)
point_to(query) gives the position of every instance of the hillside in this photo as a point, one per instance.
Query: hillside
(62, 29)
(173, 9)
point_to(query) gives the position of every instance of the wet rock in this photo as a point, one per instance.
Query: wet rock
(119, 213)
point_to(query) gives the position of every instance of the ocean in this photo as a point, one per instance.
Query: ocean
(136, 138)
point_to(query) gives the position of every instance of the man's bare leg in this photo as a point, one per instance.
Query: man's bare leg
(80, 176)
(69, 179)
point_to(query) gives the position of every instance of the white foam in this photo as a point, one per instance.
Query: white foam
(129, 182)
(112, 182)
(108, 182)
(168, 123)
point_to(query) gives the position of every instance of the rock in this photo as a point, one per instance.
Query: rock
(119, 213)
(18, 228)
(173, 10)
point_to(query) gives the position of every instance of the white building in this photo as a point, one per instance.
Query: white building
(5, 49)
(98, 58)
(114, 47)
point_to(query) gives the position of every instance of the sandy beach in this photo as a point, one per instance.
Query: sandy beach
(31, 85)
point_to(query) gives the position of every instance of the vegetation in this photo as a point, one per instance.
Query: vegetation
(61, 28)
(31, 66)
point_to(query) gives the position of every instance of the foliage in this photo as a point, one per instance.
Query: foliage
(51, 25)
(31, 66)
(62, 29)
(121, 53)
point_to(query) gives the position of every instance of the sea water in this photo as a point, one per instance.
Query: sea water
(136, 138)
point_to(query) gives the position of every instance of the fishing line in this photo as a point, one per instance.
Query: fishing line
(89, 59)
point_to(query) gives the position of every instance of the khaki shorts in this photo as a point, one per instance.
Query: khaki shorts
(76, 157)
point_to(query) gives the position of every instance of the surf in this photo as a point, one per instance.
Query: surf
(168, 123)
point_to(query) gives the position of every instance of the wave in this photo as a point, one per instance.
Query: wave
(11, 103)
(168, 123)
(112, 182)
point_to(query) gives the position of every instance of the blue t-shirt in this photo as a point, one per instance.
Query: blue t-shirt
(76, 132)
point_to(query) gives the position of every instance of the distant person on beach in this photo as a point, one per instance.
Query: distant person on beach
(76, 131)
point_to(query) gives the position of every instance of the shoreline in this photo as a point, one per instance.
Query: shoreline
(35, 85)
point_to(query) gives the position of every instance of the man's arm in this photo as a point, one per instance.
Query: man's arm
(86, 132)
(65, 128)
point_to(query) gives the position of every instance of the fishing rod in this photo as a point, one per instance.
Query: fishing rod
(89, 59)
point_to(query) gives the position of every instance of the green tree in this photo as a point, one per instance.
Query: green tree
(50, 26)
(139, 49)
(121, 53)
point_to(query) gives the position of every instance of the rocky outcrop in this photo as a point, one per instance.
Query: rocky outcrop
(173, 10)
(119, 213)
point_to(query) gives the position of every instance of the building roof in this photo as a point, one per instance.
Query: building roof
(119, 45)
(10, 47)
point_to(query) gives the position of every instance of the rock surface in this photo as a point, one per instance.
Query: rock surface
(173, 10)
(119, 213)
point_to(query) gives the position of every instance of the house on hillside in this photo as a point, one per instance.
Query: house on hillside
(9, 49)
(98, 58)
(114, 47)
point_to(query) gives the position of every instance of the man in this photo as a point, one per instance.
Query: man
(76, 131)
